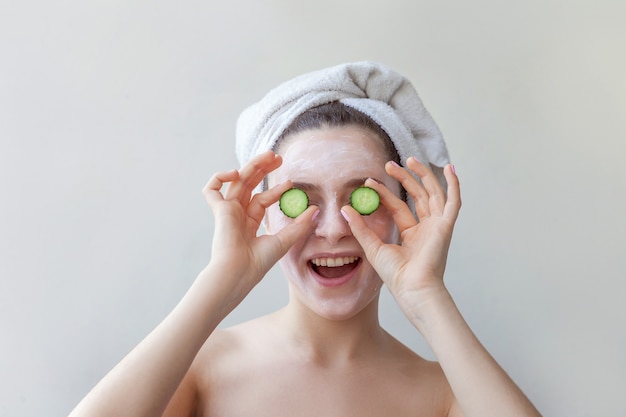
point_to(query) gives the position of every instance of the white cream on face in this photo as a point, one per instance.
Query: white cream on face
(330, 157)
(331, 162)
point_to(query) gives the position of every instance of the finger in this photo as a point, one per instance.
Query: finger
(367, 238)
(413, 188)
(211, 190)
(399, 210)
(261, 201)
(294, 231)
(251, 175)
(453, 205)
(436, 194)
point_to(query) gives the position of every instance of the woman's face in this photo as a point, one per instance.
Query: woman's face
(327, 270)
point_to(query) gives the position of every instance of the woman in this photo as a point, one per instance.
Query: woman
(325, 353)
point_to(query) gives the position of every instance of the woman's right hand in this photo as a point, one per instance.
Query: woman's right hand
(242, 257)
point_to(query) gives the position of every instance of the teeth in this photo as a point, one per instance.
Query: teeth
(332, 262)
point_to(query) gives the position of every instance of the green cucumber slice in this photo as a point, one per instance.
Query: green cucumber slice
(293, 202)
(365, 200)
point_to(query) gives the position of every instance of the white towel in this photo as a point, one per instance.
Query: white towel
(385, 96)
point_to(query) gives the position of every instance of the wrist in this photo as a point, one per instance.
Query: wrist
(427, 308)
(222, 287)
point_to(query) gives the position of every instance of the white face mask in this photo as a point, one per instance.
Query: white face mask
(330, 163)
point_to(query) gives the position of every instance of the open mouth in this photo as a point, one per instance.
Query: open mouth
(335, 267)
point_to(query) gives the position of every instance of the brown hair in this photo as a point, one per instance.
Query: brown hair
(337, 114)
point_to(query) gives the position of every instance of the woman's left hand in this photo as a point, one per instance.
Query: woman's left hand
(415, 267)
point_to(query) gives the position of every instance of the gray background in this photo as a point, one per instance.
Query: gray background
(113, 114)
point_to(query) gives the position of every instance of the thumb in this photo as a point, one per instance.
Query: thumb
(290, 234)
(367, 238)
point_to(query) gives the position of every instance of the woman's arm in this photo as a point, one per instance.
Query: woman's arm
(145, 380)
(413, 271)
(480, 386)
(143, 383)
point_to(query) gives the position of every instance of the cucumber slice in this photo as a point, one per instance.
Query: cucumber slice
(365, 200)
(293, 202)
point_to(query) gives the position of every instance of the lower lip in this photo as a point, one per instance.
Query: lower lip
(334, 282)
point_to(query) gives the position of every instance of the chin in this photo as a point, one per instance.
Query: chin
(338, 307)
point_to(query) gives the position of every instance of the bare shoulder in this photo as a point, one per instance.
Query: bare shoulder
(220, 355)
(257, 361)
(232, 350)
(235, 343)
(409, 373)
(416, 366)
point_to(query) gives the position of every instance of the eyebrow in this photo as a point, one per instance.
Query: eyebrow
(353, 183)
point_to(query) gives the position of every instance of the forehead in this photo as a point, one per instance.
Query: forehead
(333, 152)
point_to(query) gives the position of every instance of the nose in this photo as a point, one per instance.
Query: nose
(331, 225)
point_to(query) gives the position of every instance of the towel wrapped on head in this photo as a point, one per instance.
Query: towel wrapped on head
(382, 94)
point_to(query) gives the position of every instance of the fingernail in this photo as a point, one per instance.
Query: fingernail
(345, 216)
(317, 213)
(452, 167)
(394, 163)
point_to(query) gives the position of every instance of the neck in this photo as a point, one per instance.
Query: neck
(327, 340)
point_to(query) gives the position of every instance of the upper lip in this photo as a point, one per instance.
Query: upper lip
(334, 255)
(326, 255)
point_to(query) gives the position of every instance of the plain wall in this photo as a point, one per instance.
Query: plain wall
(113, 115)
